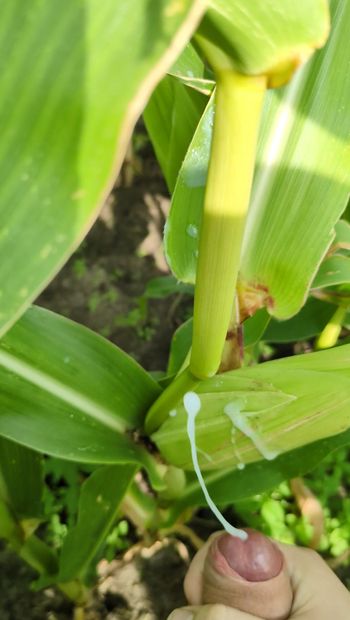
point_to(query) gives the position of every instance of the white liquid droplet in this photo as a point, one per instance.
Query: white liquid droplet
(192, 406)
(192, 231)
(173, 413)
(233, 411)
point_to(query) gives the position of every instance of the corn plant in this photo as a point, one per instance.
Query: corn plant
(250, 127)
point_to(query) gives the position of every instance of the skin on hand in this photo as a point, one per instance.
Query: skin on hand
(317, 593)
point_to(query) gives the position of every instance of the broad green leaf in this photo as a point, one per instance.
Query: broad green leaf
(75, 77)
(288, 402)
(190, 69)
(161, 287)
(69, 392)
(21, 479)
(189, 64)
(259, 38)
(99, 502)
(342, 237)
(346, 324)
(171, 117)
(334, 270)
(226, 486)
(180, 345)
(303, 161)
(347, 212)
(309, 322)
(171, 133)
(254, 327)
(74, 358)
(181, 232)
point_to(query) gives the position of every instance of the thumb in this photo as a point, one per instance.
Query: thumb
(248, 575)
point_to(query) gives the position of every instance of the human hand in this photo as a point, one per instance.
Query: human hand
(260, 579)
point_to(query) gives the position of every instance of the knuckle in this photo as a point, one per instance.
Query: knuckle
(311, 557)
(216, 612)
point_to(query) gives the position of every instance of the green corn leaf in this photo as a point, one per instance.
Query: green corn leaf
(342, 237)
(303, 162)
(171, 117)
(334, 270)
(289, 402)
(174, 110)
(99, 502)
(21, 479)
(81, 361)
(259, 38)
(69, 392)
(180, 346)
(191, 71)
(158, 288)
(254, 327)
(181, 233)
(309, 322)
(75, 78)
(227, 486)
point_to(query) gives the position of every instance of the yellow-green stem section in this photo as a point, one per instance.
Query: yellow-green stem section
(329, 336)
(238, 107)
(140, 508)
(169, 399)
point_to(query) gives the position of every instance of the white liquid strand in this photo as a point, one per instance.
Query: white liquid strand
(205, 455)
(233, 411)
(192, 406)
(240, 464)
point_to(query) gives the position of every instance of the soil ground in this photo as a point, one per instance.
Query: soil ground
(143, 588)
(103, 283)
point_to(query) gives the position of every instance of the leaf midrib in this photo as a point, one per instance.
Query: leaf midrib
(103, 415)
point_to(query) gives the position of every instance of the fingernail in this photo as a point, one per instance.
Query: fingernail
(255, 559)
(181, 614)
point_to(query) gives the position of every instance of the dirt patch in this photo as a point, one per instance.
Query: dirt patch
(145, 587)
(17, 601)
(102, 285)
(142, 588)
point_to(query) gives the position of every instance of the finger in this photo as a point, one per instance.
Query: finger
(318, 593)
(210, 612)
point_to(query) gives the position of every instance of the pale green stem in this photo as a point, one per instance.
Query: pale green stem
(169, 399)
(329, 336)
(238, 106)
(144, 510)
(38, 555)
(75, 591)
(140, 508)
